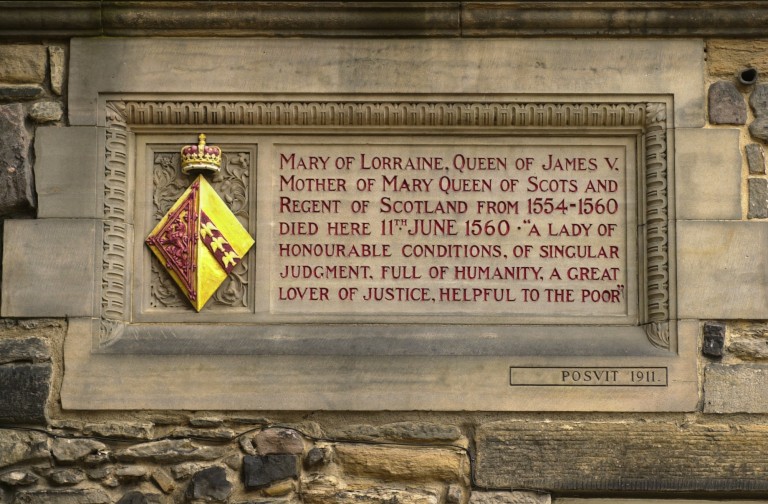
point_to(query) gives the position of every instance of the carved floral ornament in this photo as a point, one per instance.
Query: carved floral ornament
(649, 117)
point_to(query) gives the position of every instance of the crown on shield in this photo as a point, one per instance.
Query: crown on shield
(200, 157)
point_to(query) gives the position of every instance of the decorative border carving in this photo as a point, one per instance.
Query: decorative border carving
(362, 114)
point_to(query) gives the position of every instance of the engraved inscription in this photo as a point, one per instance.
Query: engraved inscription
(528, 229)
(589, 376)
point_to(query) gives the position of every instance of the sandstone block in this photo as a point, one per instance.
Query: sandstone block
(16, 181)
(39, 276)
(74, 496)
(67, 185)
(755, 159)
(741, 388)
(405, 431)
(626, 456)
(718, 279)
(210, 485)
(708, 172)
(18, 478)
(168, 451)
(24, 392)
(390, 463)
(46, 111)
(512, 497)
(66, 477)
(22, 64)
(74, 450)
(749, 341)
(57, 64)
(369, 496)
(726, 105)
(262, 471)
(279, 441)
(758, 198)
(22, 447)
(123, 430)
(726, 57)
(163, 481)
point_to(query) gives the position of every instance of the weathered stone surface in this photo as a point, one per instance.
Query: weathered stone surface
(758, 100)
(392, 463)
(405, 431)
(755, 159)
(280, 488)
(137, 497)
(73, 450)
(222, 434)
(57, 64)
(749, 341)
(758, 198)
(512, 497)
(622, 455)
(22, 92)
(46, 111)
(185, 470)
(123, 430)
(28, 349)
(23, 392)
(759, 128)
(726, 57)
(708, 163)
(719, 277)
(262, 471)
(16, 186)
(73, 496)
(206, 421)
(39, 277)
(278, 441)
(741, 388)
(18, 478)
(317, 457)
(454, 495)
(65, 477)
(714, 339)
(369, 496)
(726, 105)
(130, 473)
(22, 64)
(210, 484)
(169, 451)
(163, 480)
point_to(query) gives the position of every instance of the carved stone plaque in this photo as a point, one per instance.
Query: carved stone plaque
(451, 237)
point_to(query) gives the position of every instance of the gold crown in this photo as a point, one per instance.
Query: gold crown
(200, 157)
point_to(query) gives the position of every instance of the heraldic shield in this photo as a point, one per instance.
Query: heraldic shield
(199, 241)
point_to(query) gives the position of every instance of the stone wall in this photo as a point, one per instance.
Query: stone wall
(56, 456)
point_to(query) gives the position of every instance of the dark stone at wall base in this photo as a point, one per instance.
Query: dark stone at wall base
(758, 198)
(74, 496)
(24, 392)
(726, 105)
(136, 497)
(16, 181)
(210, 484)
(714, 339)
(262, 471)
